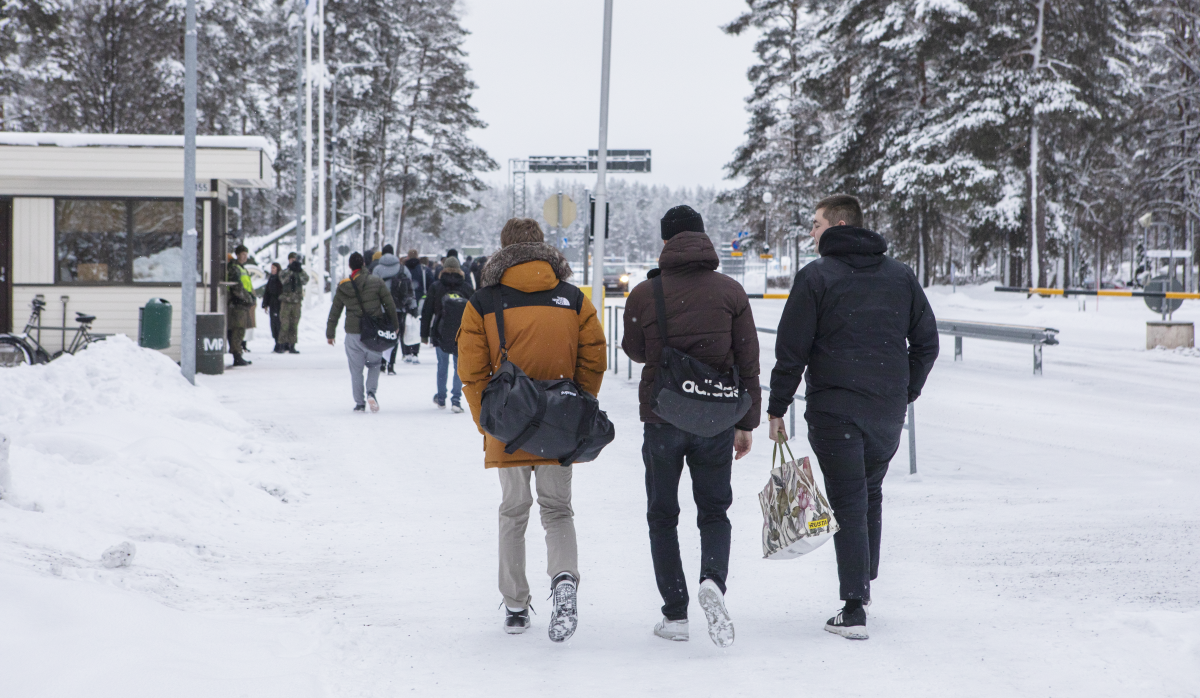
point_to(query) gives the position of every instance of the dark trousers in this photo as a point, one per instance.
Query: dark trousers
(275, 324)
(854, 453)
(710, 461)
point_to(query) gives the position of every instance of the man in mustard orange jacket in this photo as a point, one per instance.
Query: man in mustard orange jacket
(551, 330)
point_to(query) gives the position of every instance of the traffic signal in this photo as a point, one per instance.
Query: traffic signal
(592, 219)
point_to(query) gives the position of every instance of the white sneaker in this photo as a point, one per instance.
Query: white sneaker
(676, 630)
(720, 625)
(456, 409)
(372, 402)
(565, 616)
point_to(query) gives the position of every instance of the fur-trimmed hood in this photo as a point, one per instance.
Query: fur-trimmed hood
(520, 253)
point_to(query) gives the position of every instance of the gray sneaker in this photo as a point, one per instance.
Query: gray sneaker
(676, 630)
(720, 625)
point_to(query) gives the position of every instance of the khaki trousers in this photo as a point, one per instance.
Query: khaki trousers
(553, 484)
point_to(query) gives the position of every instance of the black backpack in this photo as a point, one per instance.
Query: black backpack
(401, 288)
(690, 394)
(554, 419)
(454, 304)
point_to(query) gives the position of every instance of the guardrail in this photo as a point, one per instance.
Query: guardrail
(910, 425)
(996, 332)
(1115, 292)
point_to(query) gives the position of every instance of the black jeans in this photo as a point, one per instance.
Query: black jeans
(711, 462)
(854, 453)
(275, 324)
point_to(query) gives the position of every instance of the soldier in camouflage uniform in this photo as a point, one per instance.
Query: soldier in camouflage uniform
(294, 279)
(240, 304)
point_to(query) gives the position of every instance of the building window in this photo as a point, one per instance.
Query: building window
(120, 241)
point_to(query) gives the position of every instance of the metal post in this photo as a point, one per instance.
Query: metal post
(302, 242)
(601, 222)
(318, 256)
(792, 416)
(187, 279)
(331, 262)
(300, 77)
(912, 440)
(958, 348)
(1037, 359)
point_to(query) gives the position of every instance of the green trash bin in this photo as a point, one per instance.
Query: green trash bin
(154, 324)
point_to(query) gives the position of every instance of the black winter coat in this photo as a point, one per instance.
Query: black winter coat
(422, 277)
(271, 294)
(444, 338)
(860, 323)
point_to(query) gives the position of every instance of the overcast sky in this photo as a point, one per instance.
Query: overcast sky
(678, 82)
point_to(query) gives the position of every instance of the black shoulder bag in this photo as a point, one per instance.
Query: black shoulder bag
(689, 393)
(377, 334)
(554, 419)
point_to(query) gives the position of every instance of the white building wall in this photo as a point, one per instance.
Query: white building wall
(115, 308)
(33, 241)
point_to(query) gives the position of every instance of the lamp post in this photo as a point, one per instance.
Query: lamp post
(187, 279)
(602, 164)
(767, 198)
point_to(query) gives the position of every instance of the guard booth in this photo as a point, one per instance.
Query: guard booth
(94, 224)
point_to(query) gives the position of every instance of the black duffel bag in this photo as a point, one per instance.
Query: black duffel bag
(377, 334)
(690, 394)
(553, 419)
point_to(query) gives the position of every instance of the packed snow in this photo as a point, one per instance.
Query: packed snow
(250, 536)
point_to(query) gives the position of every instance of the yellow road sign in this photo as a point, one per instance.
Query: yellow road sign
(550, 210)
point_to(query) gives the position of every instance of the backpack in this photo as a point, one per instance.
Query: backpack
(554, 419)
(449, 320)
(690, 394)
(401, 288)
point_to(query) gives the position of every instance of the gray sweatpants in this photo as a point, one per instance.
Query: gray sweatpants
(361, 357)
(553, 484)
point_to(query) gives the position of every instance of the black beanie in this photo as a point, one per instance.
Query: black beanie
(681, 219)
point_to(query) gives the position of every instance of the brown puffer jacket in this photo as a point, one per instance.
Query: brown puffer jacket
(550, 328)
(708, 317)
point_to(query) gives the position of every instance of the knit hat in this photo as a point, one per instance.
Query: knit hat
(451, 264)
(679, 220)
(376, 256)
(518, 230)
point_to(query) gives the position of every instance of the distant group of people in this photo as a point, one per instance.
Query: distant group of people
(857, 326)
(419, 300)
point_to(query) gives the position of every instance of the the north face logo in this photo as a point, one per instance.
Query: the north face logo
(559, 300)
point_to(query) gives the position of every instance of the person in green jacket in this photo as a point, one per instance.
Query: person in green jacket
(294, 279)
(240, 303)
(376, 301)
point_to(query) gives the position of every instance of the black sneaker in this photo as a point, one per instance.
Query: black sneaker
(516, 622)
(391, 370)
(851, 625)
(565, 616)
(360, 408)
(292, 349)
(239, 361)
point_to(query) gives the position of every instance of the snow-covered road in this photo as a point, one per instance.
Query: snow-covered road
(288, 547)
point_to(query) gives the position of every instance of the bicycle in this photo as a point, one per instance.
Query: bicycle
(22, 348)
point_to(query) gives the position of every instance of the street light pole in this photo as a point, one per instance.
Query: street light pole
(602, 165)
(187, 279)
(321, 215)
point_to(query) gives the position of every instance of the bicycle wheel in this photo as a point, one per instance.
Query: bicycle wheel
(14, 352)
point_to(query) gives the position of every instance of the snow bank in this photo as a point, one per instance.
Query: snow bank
(113, 445)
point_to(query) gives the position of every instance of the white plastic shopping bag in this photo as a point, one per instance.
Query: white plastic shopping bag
(412, 331)
(797, 519)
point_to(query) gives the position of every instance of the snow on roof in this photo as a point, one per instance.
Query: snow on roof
(134, 140)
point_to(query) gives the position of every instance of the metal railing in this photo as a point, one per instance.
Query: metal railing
(1019, 334)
